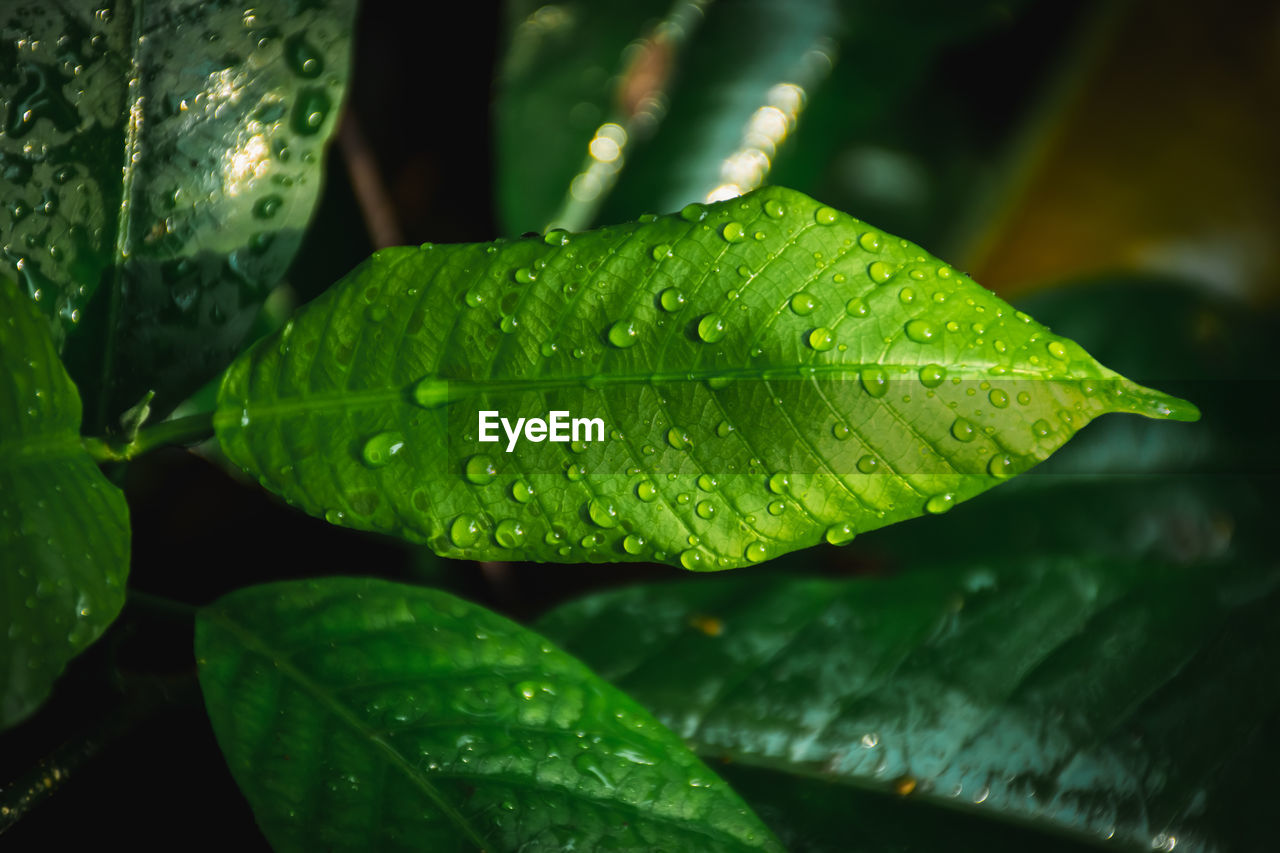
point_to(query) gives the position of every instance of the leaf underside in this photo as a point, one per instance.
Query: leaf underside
(64, 529)
(1093, 698)
(159, 162)
(359, 714)
(769, 372)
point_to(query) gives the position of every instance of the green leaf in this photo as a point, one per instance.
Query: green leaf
(360, 714)
(1094, 698)
(64, 529)
(1126, 487)
(811, 815)
(159, 161)
(696, 100)
(768, 374)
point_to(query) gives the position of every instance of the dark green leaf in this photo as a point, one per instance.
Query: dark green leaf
(811, 815)
(1096, 698)
(769, 374)
(64, 529)
(359, 714)
(158, 163)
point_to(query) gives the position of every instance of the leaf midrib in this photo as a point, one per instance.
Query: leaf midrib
(134, 99)
(377, 396)
(255, 644)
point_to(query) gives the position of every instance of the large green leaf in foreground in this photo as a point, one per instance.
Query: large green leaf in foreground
(64, 529)
(768, 373)
(1097, 698)
(158, 163)
(358, 714)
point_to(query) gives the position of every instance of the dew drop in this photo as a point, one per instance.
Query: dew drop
(723, 429)
(556, 237)
(1057, 349)
(431, 392)
(733, 232)
(998, 398)
(821, 339)
(825, 216)
(267, 207)
(711, 328)
(932, 375)
(679, 438)
(509, 324)
(509, 533)
(660, 251)
(302, 57)
(646, 491)
(602, 513)
(465, 531)
(774, 209)
(693, 212)
(778, 483)
(521, 492)
(880, 272)
(691, 559)
(939, 503)
(575, 473)
(840, 431)
(777, 507)
(920, 331)
(857, 308)
(623, 334)
(633, 543)
(803, 303)
(480, 470)
(1041, 428)
(906, 296)
(524, 275)
(1001, 465)
(381, 448)
(868, 464)
(962, 430)
(875, 381)
(840, 534)
(672, 299)
(756, 552)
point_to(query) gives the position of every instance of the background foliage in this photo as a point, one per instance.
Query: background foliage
(1106, 166)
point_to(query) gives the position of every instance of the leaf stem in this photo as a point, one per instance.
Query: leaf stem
(187, 430)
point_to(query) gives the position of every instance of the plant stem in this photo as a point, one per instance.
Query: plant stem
(188, 430)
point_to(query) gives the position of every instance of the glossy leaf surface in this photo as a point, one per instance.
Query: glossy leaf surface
(360, 714)
(158, 163)
(767, 373)
(1095, 698)
(64, 529)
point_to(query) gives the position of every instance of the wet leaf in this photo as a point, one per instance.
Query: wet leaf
(359, 714)
(1094, 698)
(159, 162)
(64, 529)
(765, 374)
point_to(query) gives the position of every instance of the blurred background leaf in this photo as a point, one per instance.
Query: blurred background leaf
(870, 106)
